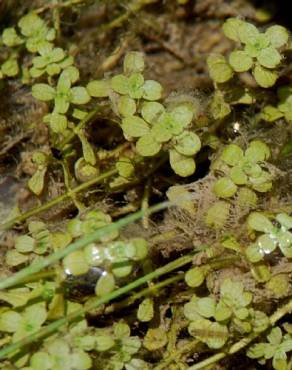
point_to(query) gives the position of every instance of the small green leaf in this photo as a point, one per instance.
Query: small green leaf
(152, 90)
(134, 126)
(104, 343)
(79, 95)
(220, 71)
(10, 38)
(247, 33)
(279, 285)
(238, 176)
(24, 244)
(126, 106)
(240, 61)
(134, 62)
(75, 264)
(188, 143)
(147, 146)
(232, 154)
(259, 222)
(254, 254)
(231, 28)
(195, 277)
(105, 284)
(10, 67)
(278, 35)
(146, 310)
(217, 215)
(264, 77)
(270, 113)
(88, 152)
(257, 151)
(98, 88)
(125, 167)
(206, 306)
(155, 339)
(119, 84)
(182, 165)
(224, 188)
(213, 334)
(151, 111)
(43, 92)
(269, 57)
(37, 181)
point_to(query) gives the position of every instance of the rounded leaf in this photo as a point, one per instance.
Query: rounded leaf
(147, 146)
(75, 263)
(135, 126)
(182, 165)
(257, 151)
(224, 188)
(220, 71)
(238, 176)
(247, 33)
(98, 88)
(126, 106)
(240, 61)
(232, 154)
(188, 143)
(43, 92)
(79, 95)
(151, 111)
(259, 222)
(134, 62)
(24, 244)
(105, 284)
(278, 35)
(152, 90)
(119, 84)
(195, 277)
(269, 57)
(231, 28)
(264, 77)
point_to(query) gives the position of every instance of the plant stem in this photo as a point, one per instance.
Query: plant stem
(57, 200)
(277, 315)
(98, 301)
(151, 290)
(78, 244)
(79, 127)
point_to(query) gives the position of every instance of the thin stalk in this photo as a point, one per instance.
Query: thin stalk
(96, 303)
(151, 290)
(57, 200)
(277, 315)
(78, 244)
(79, 127)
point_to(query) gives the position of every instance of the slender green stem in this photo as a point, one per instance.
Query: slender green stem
(78, 244)
(79, 127)
(57, 200)
(97, 302)
(151, 290)
(277, 315)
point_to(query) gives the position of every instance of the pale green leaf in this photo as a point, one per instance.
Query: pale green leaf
(278, 35)
(152, 90)
(220, 71)
(98, 88)
(224, 188)
(145, 310)
(240, 61)
(43, 92)
(134, 126)
(182, 165)
(264, 77)
(147, 146)
(188, 143)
